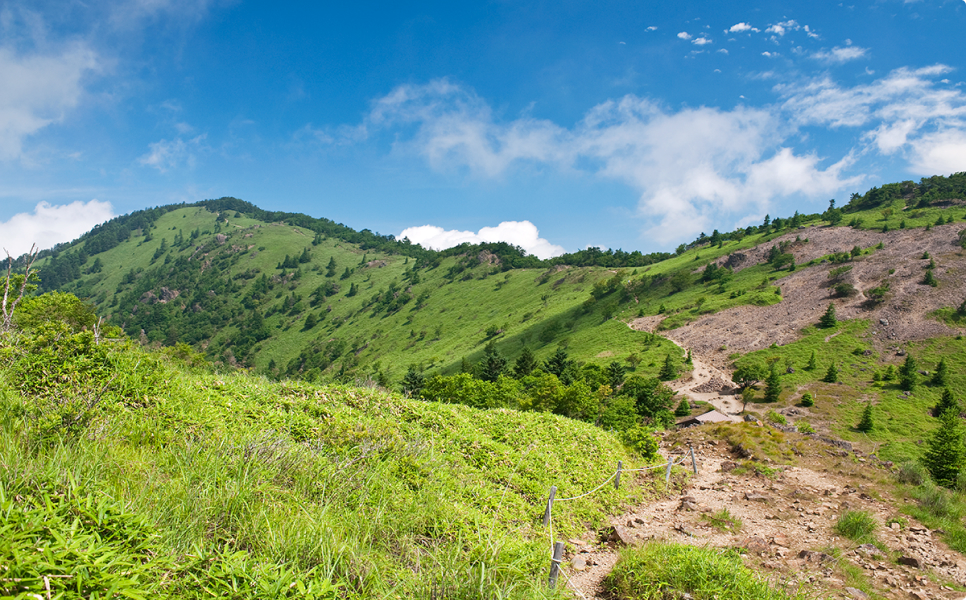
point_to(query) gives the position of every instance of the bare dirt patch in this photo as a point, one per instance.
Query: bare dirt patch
(786, 529)
(806, 293)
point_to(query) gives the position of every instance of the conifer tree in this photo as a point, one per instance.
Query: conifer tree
(812, 362)
(941, 377)
(557, 363)
(832, 375)
(773, 385)
(947, 404)
(689, 361)
(909, 374)
(493, 364)
(945, 452)
(525, 363)
(683, 409)
(616, 374)
(412, 383)
(330, 268)
(828, 319)
(668, 371)
(866, 425)
(930, 279)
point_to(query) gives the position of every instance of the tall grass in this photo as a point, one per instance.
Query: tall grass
(662, 570)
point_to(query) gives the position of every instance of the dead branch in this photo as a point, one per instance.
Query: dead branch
(8, 307)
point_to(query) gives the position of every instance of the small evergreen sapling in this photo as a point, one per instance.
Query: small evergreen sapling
(812, 362)
(832, 374)
(412, 383)
(866, 424)
(828, 319)
(946, 404)
(945, 452)
(808, 400)
(668, 371)
(683, 409)
(773, 385)
(909, 374)
(941, 377)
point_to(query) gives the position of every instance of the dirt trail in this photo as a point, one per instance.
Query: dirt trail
(786, 524)
(706, 382)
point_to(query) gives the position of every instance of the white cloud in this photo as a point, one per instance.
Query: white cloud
(701, 41)
(684, 35)
(50, 225)
(39, 90)
(741, 27)
(165, 155)
(519, 233)
(689, 167)
(652, 28)
(723, 50)
(770, 54)
(783, 27)
(840, 55)
(941, 152)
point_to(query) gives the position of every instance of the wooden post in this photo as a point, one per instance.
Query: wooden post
(555, 563)
(617, 480)
(694, 463)
(546, 513)
(667, 476)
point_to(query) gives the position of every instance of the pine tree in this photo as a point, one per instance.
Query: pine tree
(945, 452)
(310, 322)
(558, 363)
(689, 361)
(493, 364)
(866, 425)
(828, 319)
(941, 377)
(909, 374)
(773, 385)
(683, 409)
(412, 382)
(812, 362)
(330, 268)
(346, 274)
(832, 375)
(946, 404)
(668, 371)
(930, 279)
(525, 363)
(615, 374)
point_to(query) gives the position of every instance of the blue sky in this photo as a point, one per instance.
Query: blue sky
(553, 125)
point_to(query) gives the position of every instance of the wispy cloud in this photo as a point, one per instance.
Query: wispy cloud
(689, 166)
(838, 55)
(165, 155)
(519, 233)
(49, 225)
(39, 89)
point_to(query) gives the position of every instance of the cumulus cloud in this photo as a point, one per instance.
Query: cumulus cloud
(783, 27)
(165, 155)
(741, 27)
(701, 41)
(652, 28)
(838, 55)
(49, 225)
(690, 167)
(39, 89)
(940, 152)
(684, 35)
(519, 233)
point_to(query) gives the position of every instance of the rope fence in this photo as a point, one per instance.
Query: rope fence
(556, 548)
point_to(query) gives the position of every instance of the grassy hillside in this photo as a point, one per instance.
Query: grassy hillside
(235, 287)
(158, 479)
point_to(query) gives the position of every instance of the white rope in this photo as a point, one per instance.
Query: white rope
(571, 584)
(608, 480)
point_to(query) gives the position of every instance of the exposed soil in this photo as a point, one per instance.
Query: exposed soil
(786, 526)
(806, 293)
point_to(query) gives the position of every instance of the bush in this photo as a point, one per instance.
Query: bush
(857, 525)
(663, 570)
(641, 440)
(804, 427)
(807, 399)
(776, 418)
(913, 473)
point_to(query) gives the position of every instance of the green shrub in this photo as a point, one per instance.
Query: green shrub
(804, 427)
(857, 525)
(641, 440)
(775, 417)
(662, 570)
(807, 399)
(913, 473)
